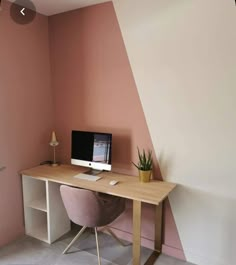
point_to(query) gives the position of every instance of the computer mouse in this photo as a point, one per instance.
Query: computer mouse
(113, 182)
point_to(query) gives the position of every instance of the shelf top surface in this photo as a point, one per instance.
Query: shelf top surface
(129, 187)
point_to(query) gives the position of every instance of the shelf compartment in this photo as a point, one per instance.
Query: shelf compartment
(40, 233)
(39, 204)
(34, 190)
(36, 224)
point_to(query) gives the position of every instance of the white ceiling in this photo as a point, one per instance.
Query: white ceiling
(52, 7)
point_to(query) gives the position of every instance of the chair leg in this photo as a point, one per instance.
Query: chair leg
(96, 236)
(74, 239)
(115, 237)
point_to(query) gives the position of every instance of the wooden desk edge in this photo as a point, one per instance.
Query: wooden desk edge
(36, 172)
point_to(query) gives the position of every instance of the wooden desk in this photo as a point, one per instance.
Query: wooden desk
(128, 187)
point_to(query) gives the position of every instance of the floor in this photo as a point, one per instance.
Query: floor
(29, 251)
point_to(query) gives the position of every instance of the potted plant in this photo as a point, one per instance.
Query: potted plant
(144, 165)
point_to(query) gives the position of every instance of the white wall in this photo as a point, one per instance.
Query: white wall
(183, 57)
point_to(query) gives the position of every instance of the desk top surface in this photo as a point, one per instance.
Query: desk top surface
(128, 187)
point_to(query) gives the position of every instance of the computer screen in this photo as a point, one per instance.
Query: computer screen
(91, 149)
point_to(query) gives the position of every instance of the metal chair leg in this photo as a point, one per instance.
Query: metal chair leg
(74, 239)
(96, 236)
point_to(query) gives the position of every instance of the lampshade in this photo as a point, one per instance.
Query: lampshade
(54, 141)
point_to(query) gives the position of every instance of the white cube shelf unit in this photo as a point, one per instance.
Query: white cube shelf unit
(45, 215)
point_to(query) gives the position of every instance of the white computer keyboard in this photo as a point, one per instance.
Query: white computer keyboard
(87, 177)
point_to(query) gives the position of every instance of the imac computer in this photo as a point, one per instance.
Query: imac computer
(91, 149)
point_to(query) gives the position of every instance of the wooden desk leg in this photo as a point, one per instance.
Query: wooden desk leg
(158, 236)
(136, 232)
(158, 228)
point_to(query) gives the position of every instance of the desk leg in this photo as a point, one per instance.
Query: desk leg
(158, 228)
(158, 236)
(136, 232)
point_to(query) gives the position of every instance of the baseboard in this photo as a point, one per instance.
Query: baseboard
(196, 257)
(173, 252)
(148, 243)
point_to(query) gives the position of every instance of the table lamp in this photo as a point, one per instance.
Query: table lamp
(54, 143)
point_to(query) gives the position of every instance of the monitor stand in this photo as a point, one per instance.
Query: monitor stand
(93, 172)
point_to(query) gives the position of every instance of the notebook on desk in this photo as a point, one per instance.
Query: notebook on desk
(87, 177)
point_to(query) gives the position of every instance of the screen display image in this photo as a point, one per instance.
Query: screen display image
(101, 148)
(91, 149)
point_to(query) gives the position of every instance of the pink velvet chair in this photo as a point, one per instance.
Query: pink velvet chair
(90, 209)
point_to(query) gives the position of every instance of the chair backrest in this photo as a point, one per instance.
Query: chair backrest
(82, 206)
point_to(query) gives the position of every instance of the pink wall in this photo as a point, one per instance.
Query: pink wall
(25, 112)
(94, 89)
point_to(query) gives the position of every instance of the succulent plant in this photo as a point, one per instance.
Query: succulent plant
(145, 160)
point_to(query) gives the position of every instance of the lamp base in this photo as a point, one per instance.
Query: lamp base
(55, 164)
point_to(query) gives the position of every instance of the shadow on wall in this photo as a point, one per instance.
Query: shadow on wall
(165, 164)
(156, 170)
(121, 150)
(206, 223)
